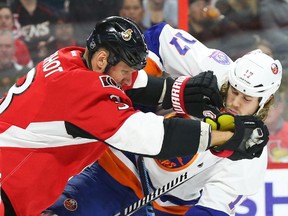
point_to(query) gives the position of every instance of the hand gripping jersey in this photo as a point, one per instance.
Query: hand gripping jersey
(53, 123)
(218, 184)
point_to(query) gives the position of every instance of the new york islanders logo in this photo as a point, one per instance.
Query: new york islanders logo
(127, 35)
(274, 68)
(70, 204)
(175, 164)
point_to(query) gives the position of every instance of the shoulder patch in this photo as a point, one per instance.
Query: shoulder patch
(108, 81)
(220, 57)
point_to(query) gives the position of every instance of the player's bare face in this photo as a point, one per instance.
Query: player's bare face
(238, 103)
(121, 73)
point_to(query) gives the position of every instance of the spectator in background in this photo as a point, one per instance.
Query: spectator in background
(264, 45)
(22, 54)
(274, 21)
(278, 127)
(86, 13)
(63, 35)
(157, 11)
(196, 18)
(134, 10)
(35, 20)
(244, 13)
(207, 23)
(10, 71)
(7, 2)
(273, 17)
(246, 43)
(57, 5)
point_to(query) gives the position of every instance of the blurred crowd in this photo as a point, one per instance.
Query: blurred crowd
(30, 30)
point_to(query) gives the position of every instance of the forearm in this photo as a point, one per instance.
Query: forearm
(220, 137)
(184, 136)
(192, 136)
(148, 94)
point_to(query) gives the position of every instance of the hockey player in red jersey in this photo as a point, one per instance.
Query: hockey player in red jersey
(67, 110)
(218, 185)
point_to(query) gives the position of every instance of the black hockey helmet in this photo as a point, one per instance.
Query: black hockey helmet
(124, 40)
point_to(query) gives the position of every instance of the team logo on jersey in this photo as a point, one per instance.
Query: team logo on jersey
(108, 81)
(220, 57)
(70, 204)
(176, 163)
(126, 35)
(274, 68)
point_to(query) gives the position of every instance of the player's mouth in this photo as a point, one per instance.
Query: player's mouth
(231, 111)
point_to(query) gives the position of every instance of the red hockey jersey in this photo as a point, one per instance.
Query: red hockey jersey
(56, 120)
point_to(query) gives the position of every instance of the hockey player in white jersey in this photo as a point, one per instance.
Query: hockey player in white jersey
(64, 113)
(219, 184)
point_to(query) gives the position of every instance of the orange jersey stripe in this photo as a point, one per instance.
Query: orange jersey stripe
(152, 68)
(121, 173)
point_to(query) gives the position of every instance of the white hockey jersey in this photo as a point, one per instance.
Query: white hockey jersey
(218, 183)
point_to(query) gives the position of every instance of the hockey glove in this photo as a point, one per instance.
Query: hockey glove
(249, 139)
(195, 96)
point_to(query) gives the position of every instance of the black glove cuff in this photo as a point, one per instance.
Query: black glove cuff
(167, 103)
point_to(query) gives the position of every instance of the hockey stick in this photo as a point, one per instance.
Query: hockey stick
(145, 185)
(254, 140)
(154, 195)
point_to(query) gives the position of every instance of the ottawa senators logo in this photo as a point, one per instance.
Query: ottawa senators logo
(126, 35)
(108, 81)
(70, 204)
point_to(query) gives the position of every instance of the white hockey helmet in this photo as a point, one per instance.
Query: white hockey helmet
(257, 75)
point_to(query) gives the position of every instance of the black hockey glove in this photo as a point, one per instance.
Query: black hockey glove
(249, 139)
(195, 96)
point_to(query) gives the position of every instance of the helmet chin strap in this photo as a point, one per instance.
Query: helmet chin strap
(260, 107)
(89, 64)
(112, 61)
(107, 68)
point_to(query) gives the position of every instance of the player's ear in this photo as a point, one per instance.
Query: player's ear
(99, 60)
